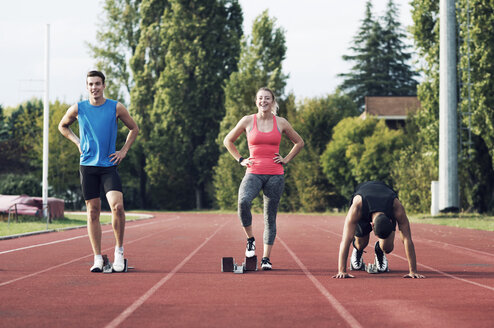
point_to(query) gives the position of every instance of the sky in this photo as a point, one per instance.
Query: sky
(318, 33)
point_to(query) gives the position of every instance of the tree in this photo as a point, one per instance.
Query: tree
(260, 65)
(117, 38)
(26, 127)
(20, 168)
(475, 166)
(202, 47)
(399, 77)
(365, 76)
(360, 150)
(380, 59)
(315, 121)
(147, 63)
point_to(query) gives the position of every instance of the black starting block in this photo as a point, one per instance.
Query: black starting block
(228, 265)
(250, 263)
(108, 267)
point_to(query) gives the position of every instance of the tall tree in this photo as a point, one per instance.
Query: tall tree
(4, 131)
(475, 166)
(147, 64)
(365, 75)
(20, 131)
(117, 40)
(315, 121)
(202, 42)
(399, 77)
(260, 65)
(380, 60)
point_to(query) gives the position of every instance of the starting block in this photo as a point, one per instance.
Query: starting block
(250, 263)
(371, 268)
(228, 265)
(108, 267)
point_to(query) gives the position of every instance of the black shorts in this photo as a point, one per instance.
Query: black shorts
(364, 228)
(97, 178)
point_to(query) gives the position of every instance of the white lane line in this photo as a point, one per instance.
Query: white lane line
(441, 243)
(78, 259)
(430, 241)
(429, 267)
(141, 300)
(77, 237)
(352, 322)
(42, 271)
(448, 274)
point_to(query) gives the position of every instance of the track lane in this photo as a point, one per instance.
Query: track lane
(198, 294)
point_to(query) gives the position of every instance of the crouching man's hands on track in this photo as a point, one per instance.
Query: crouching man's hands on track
(413, 275)
(342, 275)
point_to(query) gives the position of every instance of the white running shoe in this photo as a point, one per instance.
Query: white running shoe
(356, 261)
(250, 249)
(380, 259)
(97, 266)
(119, 262)
(265, 264)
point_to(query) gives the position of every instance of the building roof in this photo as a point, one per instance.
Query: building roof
(391, 108)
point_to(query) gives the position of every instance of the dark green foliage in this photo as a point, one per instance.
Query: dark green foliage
(20, 184)
(380, 59)
(360, 150)
(315, 121)
(475, 161)
(202, 47)
(22, 130)
(399, 78)
(117, 38)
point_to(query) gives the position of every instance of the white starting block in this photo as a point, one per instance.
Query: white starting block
(238, 269)
(371, 268)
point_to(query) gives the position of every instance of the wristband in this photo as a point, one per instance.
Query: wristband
(240, 160)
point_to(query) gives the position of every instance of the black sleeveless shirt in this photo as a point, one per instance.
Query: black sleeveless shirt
(376, 197)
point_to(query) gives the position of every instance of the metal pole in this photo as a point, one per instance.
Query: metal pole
(46, 119)
(448, 147)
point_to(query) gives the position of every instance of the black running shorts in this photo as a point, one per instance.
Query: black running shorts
(364, 228)
(97, 178)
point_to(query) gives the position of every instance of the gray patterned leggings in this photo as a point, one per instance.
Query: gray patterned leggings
(272, 187)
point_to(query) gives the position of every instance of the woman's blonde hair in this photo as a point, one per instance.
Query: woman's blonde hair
(275, 107)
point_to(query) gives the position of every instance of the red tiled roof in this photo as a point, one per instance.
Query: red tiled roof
(391, 106)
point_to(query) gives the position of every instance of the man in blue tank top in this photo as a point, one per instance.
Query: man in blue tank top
(99, 158)
(375, 206)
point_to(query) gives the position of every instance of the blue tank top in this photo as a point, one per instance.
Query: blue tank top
(97, 132)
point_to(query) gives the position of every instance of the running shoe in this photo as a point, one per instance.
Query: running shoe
(356, 261)
(119, 262)
(265, 264)
(250, 250)
(380, 261)
(97, 266)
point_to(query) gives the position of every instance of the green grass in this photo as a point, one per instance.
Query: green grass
(28, 224)
(461, 220)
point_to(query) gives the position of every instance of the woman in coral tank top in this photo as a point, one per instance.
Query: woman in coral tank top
(264, 167)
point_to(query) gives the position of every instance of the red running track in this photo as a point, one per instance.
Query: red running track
(45, 279)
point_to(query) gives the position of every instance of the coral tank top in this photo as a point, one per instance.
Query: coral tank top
(262, 148)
